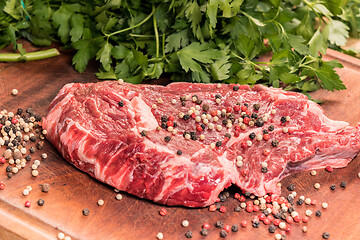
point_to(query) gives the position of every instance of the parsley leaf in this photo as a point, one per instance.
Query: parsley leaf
(203, 53)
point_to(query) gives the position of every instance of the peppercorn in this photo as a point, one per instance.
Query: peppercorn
(198, 101)
(291, 187)
(218, 206)
(254, 115)
(325, 235)
(45, 187)
(333, 187)
(40, 145)
(217, 96)
(256, 224)
(167, 139)
(259, 122)
(32, 149)
(343, 184)
(218, 144)
(235, 228)
(143, 133)
(86, 212)
(272, 228)
(318, 213)
(186, 117)
(300, 202)
(188, 234)
(264, 170)
(193, 136)
(8, 169)
(164, 118)
(252, 135)
(204, 232)
(9, 175)
(283, 119)
(236, 88)
(275, 143)
(291, 209)
(205, 107)
(41, 202)
(163, 125)
(277, 215)
(219, 224)
(121, 103)
(222, 114)
(183, 103)
(223, 233)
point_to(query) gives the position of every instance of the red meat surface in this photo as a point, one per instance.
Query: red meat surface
(116, 132)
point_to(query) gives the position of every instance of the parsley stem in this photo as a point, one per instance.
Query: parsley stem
(156, 35)
(132, 27)
(38, 55)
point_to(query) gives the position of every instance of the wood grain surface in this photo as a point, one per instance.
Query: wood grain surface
(133, 218)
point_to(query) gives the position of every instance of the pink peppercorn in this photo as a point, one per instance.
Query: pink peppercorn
(27, 204)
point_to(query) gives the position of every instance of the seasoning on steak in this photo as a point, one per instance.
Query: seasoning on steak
(184, 143)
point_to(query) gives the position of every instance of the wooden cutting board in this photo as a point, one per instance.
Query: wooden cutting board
(133, 218)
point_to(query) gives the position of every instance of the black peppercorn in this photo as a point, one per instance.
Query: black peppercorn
(235, 228)
(198, 101)
(217, 96)
(143, 133)
(86, 212)
(300, 202)
(272, 228)
(265, 131)
(188, 234)
(228, 135)
(167, 139)
(9, 175)
(204, 232)
(41, 202)
(264, 170)
(219, 224)
(259, 122)
(179, 152)
(237, 209)
(236, 88)
(223, 233)
(175, 124)
(256, 224)
(183, 103)
(20, 111)
(325, 235)
(164, 118)
(271, 128)
(283, 119)
(186, 117)
(256, 106)
(318, 213)
(254, 115)
(163, 125)
(343, 184)
(333, 187)
(252, 136)
(193, 136)
(218, 144)
(121, 103)
(8, 169)
(275, 143)
(291, 187)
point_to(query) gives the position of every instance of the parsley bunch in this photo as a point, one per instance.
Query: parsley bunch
(192, 40)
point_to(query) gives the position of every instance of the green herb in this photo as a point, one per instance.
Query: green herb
(192, 40)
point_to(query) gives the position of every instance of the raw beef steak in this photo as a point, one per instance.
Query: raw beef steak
(184, 143)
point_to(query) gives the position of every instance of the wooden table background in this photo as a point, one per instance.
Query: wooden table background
(133, 218)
